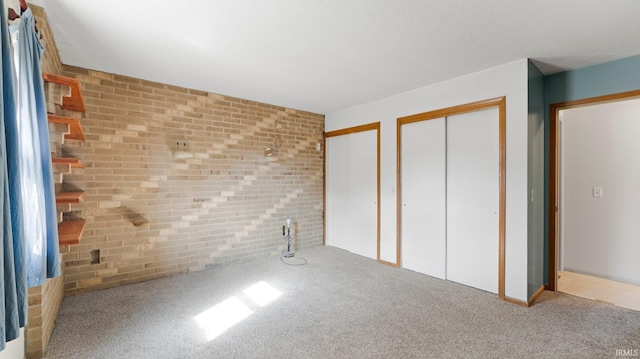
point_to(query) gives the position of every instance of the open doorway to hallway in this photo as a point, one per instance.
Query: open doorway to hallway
(600, 289)
(596, 202)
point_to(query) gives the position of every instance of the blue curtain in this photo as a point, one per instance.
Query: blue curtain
(40, 225)
(52, 252)
(29, 221)
(13, 285)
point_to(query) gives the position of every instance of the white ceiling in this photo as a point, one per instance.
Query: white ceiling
(325, 55)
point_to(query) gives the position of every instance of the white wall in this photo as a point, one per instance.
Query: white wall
(15, 4)
(600, 148)
(508, 80)
(15, 348)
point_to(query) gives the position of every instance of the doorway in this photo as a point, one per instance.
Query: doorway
(593, 196)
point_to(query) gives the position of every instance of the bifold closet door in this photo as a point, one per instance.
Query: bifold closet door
(352, 192)
(423, 197)
(473, 199)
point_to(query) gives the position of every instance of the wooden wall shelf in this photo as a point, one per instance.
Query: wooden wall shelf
(75, 102)
(70, 232)
(75, 129)
(73, 162)
(69, 197)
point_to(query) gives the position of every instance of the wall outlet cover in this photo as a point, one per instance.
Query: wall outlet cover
(597, 192)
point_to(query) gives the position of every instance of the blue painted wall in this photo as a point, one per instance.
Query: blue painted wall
(604, 79)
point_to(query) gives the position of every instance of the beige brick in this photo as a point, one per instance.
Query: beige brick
(109, 204)
(90, 282)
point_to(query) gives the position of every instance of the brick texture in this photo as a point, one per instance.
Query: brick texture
(50, 60)
(152, 214)
(44, 304)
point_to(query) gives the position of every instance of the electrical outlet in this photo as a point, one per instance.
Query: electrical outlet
(597, 192)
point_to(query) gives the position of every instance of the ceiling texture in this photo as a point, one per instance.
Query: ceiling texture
(326, 55)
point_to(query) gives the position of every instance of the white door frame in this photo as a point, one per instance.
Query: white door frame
(554, 182)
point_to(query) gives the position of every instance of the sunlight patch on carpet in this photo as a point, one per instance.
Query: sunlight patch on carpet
(224, 315)
(217, 319)
(262, 293)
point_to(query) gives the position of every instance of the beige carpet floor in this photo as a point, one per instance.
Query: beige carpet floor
(339, 305)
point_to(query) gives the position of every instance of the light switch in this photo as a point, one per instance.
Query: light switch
(597, 192)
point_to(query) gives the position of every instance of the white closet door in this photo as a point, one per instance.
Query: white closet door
(337, 190)
(473, 199)
(352, 193)
(423, 197)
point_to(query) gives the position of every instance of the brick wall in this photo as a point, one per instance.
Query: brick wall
(44, 304)
(50, 58)
(227, 203)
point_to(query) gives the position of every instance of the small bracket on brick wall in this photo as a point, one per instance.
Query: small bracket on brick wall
(180, 146)
(181, 150)
(137, 219)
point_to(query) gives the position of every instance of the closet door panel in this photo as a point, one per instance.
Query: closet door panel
(337, 192)
(351, 190)
(423, 197)
(363, 192)
(473, 199)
